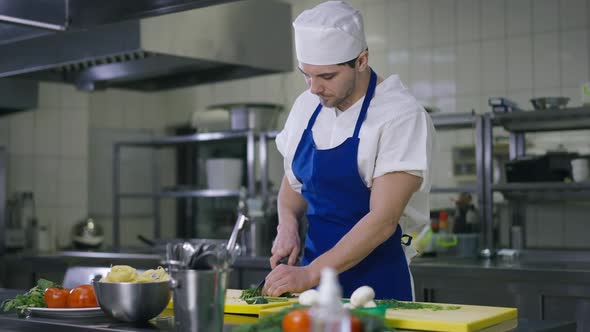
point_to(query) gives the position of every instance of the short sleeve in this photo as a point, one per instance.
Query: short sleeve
(405, 145)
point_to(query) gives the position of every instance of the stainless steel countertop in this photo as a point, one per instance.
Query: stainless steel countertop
(9, 322)
(418, 264)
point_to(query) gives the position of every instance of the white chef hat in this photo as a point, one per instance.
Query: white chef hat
(328, 34)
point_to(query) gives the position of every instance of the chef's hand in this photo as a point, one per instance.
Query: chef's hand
(286, 244)
(287, 278)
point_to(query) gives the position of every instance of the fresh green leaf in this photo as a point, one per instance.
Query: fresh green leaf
(33, 298)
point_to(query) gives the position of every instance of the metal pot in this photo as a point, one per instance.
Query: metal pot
(251, 116)
(87, 234)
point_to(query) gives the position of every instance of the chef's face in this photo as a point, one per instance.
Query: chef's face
(333, 84)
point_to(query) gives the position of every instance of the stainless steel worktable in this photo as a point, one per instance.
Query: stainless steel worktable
(10, 323)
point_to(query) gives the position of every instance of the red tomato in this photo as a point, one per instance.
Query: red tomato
(356, 325)
(297, 320)
(56, 297)
(82, 297)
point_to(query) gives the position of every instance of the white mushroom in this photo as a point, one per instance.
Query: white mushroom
(370, 304)
(309, 297)
(348, 305)
(361, 296)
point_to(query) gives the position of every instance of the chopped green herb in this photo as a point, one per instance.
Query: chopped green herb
(395, 304)
(268, 299)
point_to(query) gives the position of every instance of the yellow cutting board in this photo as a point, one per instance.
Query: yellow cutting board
(468, 318)
(233, 304)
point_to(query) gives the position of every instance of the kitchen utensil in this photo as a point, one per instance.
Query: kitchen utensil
(131, 301)
(233, 238)
(199, 297)
(580, 171)
(251, 116)
(547, 103)
(224, 173)
(87, 234)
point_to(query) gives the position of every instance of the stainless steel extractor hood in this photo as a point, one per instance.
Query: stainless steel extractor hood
(227, 41)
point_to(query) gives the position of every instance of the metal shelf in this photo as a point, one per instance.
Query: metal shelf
(443, 190)
(545, 120)
(187, 139)
(448, 121)
(544, 190)
(196, 193)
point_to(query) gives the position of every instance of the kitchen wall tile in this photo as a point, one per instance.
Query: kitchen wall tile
(45, 178)
(398, 14)
(399, 64)
(72, 98)
(73, 183)
(573, 14)
(443, 71)
(550, 225)
(22, 132)
(493, 19)
(421, 73)
(521, 97)
(201, 96)
(545, 15)
(468, 69)
(376, 27)
(445, 104)
(49, 95)
(74, 133)
(96, 105)
(47, 132)
(575, 219)
(546, 61)
(420, 24)
(4, 131)
(494, 64)
(133, 118)
(574, 94)
(467, 20)
(468, 103)
(443, 22)
(520, 63)
(20, 173)
(519, 17)
(19, 176)
(531, 226)
(546, 92)
(380, 63)
(574, 58)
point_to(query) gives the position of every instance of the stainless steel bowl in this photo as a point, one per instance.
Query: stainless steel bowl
(132, 302)
(546, 103)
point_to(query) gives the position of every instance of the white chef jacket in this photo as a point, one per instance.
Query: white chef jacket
(397, 135)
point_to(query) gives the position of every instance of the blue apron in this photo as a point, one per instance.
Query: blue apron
(337, 198)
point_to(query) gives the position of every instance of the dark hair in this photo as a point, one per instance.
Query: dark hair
(351, 63)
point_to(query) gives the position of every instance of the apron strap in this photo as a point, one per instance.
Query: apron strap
(366, 101)
(314, 116)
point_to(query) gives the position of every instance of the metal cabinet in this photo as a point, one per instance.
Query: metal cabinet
(537, 294)
(518, 123)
